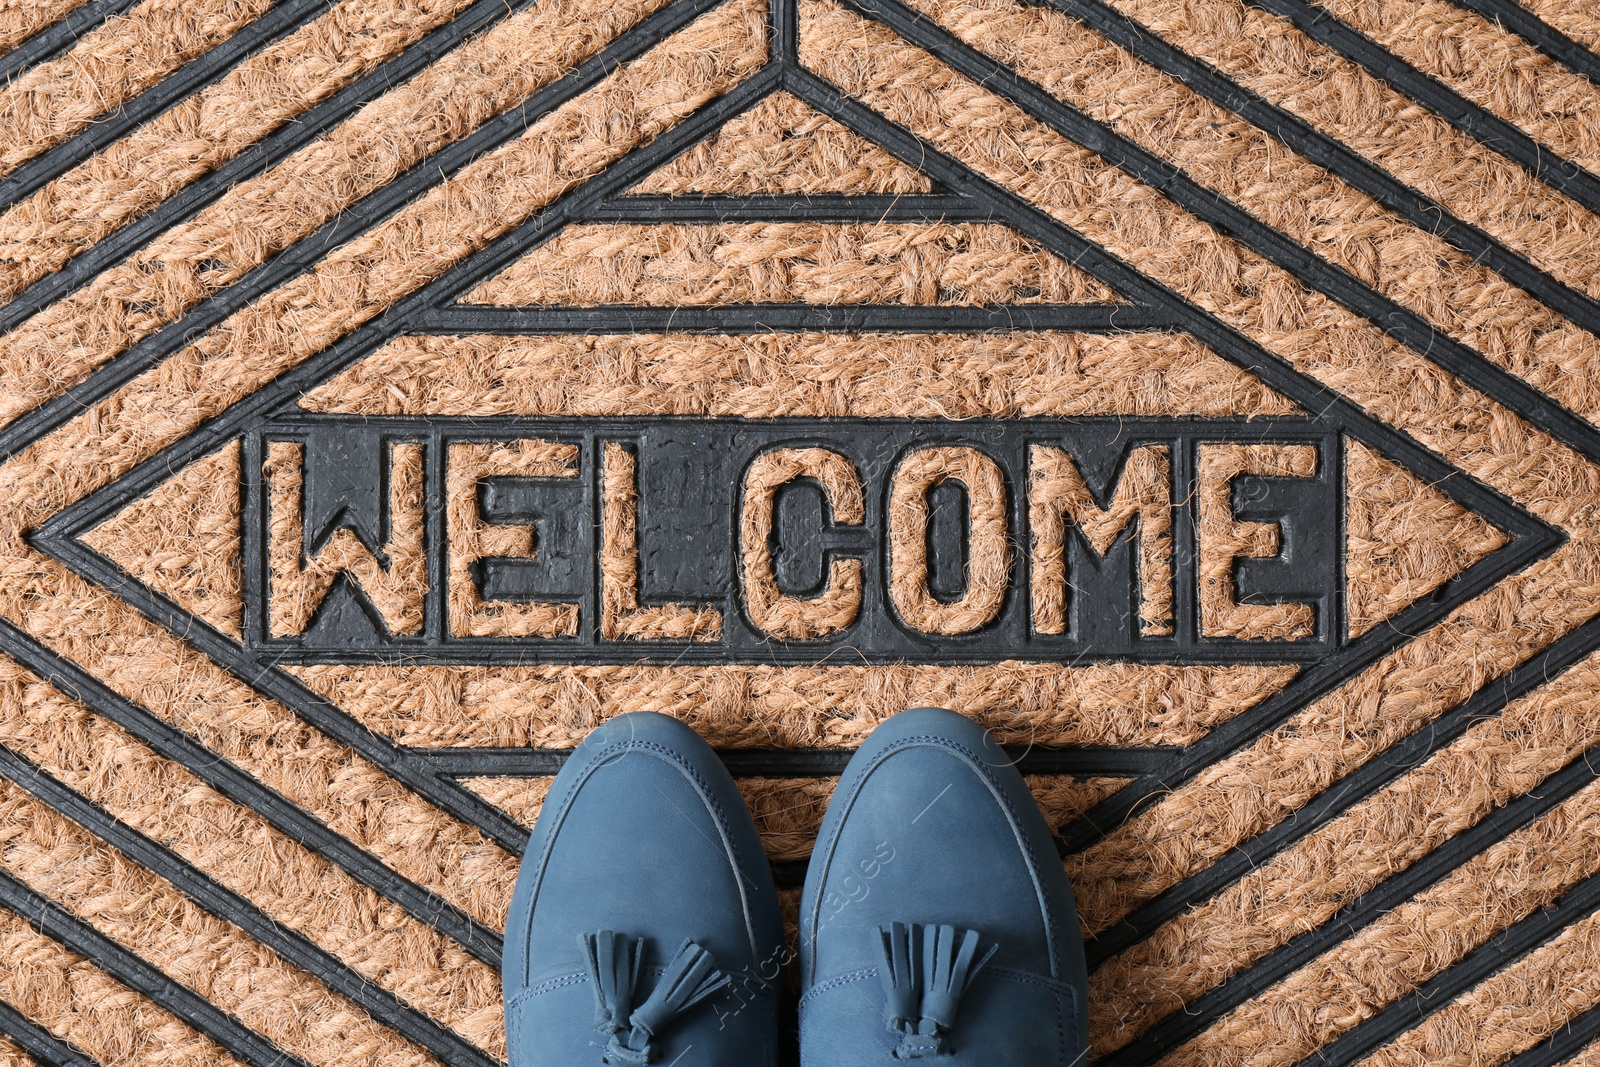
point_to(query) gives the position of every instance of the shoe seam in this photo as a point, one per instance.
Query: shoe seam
(836, 982)
(1054, 986)
(549, 985)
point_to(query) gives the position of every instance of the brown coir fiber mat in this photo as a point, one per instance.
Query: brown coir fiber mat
(1201, 394)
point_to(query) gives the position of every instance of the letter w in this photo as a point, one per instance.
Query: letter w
(394, 583)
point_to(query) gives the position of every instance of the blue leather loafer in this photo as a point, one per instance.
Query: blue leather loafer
(936, 922)
(644, 927)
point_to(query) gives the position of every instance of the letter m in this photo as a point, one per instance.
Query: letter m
(1059, 498)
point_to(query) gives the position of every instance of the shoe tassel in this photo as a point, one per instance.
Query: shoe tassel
(925, 970)
(614, 962)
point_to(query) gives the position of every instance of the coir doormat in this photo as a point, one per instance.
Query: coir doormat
(1200, 394)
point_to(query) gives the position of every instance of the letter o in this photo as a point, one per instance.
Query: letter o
(988, 542)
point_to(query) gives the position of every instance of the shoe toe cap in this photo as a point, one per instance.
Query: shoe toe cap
(932, 824)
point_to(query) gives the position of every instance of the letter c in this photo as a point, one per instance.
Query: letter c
(770, 610)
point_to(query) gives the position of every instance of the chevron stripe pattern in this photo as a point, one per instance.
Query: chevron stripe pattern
(394, 389)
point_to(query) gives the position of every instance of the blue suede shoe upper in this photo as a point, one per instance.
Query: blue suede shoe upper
(936, 921)
(644, 926)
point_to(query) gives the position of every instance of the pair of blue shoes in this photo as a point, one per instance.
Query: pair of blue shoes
(936, 922)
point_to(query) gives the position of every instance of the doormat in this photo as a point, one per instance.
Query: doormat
(1202, 396)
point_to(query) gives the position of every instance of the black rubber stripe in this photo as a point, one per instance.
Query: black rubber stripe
(1334, 282)
(282, 19)
(785, 31)
(41, 1045)
(1381, 769)
(57, 36)
(252, 161)
(1493, 956)
(781, 318)
(217, 899)
(1006, 208)
(1543, 36)
(1488, 129)
(310, 706)
(1562, 1045)
(789, 874)
(719, 209)
(349, 223)
(828, 763)
(1199, 1013)
(787, 762)
(1328, 153)
(60, 925)
(664, 652)
(281, 813)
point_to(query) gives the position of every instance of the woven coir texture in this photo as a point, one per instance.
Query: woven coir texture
(1201, 395)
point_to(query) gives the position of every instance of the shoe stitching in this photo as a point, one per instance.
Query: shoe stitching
(835, 983)
(549, 985)
(1061, 1033)
(1054, 986)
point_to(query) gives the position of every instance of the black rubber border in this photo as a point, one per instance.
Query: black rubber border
(463, 319)
(714, 209)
